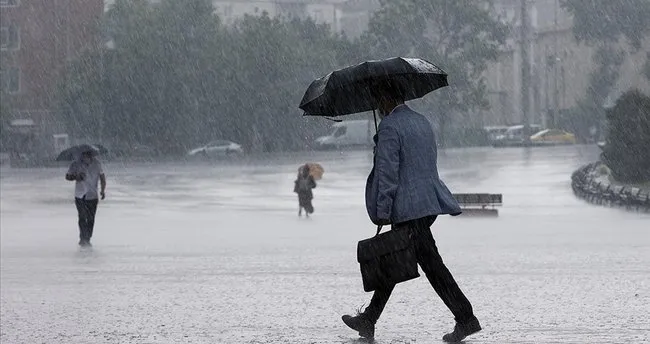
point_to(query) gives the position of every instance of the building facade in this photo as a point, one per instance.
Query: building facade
(38, 38)
(349, 16)
(560, 67)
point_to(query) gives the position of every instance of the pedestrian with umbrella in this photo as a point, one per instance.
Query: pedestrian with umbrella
(86, 171)
(74, 152)
(403, 189)
(303, 185)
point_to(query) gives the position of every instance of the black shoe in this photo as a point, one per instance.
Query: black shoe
(360, 324)
(461, 331)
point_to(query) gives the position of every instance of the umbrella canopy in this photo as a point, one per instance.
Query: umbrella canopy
(348, 90)
(100, 148)
(75, 152)
(315, 170)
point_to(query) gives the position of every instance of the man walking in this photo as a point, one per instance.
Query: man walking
(86, 172)
(405, 190)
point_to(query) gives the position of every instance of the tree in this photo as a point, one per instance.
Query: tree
(177, 77)
(460, 36)
(275, 60)
(4, 119)
(646, 68)
(626, 152)
(604, 24)
(606, 21)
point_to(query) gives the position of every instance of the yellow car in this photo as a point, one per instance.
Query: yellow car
(553, 137)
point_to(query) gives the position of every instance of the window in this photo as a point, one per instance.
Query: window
(318, 16)
(291, 10)
(227, 11)
(10, 80)
(340, 131)
(9, 38)
(9, 3)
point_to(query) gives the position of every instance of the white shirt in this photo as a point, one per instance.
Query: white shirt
(88, 186)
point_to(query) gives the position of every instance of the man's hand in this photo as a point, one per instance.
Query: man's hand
(103, 194)
(382, 222)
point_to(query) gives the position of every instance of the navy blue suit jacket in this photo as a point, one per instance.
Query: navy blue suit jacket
(404, 183)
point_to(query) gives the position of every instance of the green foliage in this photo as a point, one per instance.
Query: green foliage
(581, 118)
(177, 78)
(626, 152)
(606, 21)
(602, 80)
(4, 113)
(5, 120)
(460, 36)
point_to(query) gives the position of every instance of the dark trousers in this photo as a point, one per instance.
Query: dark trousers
(86, 209)
(437, 273)
(304, 202)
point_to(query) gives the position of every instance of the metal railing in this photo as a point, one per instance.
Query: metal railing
(585, 186)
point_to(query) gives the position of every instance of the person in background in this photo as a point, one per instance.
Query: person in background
(303, 186)
(86, 172)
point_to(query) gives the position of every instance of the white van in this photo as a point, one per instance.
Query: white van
(514, 136)
(348, 134)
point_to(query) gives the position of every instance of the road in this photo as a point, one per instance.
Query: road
(213, 252)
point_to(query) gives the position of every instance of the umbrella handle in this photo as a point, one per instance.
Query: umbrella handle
(374, 115)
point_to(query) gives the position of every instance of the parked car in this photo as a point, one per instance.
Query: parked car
(142, 150)
(553, 137)
(217, 148)
(514, 136)
(493, 132)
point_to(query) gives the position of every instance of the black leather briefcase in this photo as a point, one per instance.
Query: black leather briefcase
(387, 259)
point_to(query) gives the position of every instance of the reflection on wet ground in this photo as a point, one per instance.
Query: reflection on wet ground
(213, 252)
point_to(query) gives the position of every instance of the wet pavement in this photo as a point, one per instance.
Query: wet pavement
(213, 252)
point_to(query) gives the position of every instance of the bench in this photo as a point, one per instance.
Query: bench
(476, 204)
(482, 200)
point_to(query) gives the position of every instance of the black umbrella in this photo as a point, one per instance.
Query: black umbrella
(348, 90)
(100, 148)
(75, 152)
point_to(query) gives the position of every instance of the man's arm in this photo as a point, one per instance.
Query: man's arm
(387, 170)
(102, 180)
(71, 175)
